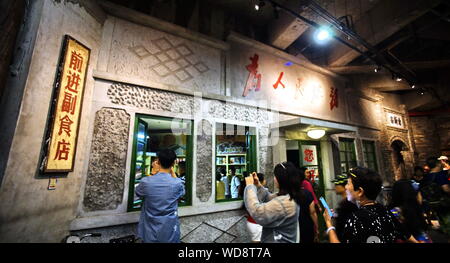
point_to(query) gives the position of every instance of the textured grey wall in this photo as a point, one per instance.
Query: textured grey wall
(204, 161)
(106, 172)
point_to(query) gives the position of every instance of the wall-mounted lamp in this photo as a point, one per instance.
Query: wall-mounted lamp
(316, 133)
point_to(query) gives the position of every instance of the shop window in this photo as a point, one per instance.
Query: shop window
(347, 154)
(152, 134)
(370, 160)
(235, 157)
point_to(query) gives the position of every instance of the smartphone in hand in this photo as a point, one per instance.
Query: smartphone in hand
(325, 205)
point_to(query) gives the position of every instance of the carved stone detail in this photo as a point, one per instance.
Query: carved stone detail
(107, 162)
(204, 163)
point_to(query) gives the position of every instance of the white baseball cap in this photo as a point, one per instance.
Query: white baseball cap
(443, 158)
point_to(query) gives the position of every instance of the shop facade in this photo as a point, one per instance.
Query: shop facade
(226, 107)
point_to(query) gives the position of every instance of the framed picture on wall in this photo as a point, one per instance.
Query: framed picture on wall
(395, 120)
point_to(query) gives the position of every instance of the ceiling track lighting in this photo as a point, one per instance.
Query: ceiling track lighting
(396, 77)
(260, 5)
(342, 27)
(421, 92)
(323, 35)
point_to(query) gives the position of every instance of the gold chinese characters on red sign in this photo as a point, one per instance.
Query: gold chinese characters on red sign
(67, 110)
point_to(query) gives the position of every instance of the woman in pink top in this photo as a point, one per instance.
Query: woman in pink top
(308, 186)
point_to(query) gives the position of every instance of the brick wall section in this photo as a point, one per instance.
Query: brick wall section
(426, 137)
(443, 131)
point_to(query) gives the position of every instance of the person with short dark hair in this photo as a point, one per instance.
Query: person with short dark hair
(372, 222)
(437, 175)
(235, 183)
(345, 208)
(226, 182)
(159, 221)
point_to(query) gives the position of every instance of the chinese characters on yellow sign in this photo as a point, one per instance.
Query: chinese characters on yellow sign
(67, 110)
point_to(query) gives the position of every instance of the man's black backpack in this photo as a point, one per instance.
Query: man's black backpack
(435, 195)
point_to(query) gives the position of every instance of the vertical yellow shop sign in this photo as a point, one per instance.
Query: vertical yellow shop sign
(67, 110)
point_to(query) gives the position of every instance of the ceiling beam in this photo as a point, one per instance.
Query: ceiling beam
(380, 22)
(286, 29)
(418, 65)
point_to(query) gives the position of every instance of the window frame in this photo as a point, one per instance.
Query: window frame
(343, 143)
(364, 142)
(189, 161)
(251, 156)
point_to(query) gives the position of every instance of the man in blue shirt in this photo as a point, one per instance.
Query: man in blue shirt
(158, 221)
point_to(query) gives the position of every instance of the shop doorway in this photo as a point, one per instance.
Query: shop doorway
(307, 153)
(398, 147)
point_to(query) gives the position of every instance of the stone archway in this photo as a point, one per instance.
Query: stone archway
(399, 154)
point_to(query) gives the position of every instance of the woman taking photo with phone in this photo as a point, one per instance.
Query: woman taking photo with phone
(277, 213)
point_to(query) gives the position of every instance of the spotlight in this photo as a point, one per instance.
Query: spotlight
(323, 35)
(413, 86)
(396, 77)
(421, 91)
(377, 69)
(259, 5)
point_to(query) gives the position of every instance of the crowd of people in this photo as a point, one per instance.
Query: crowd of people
(417, 205)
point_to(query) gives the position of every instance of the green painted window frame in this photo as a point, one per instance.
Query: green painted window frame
(251, 158)
(347, 150)
(189, 162)
(370, 156)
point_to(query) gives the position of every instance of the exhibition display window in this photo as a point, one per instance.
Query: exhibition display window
(152, 134)
(235, 158)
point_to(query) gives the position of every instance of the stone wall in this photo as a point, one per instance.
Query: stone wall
(106, 172)
(142, 53)
(204, 161)
(29, 211)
